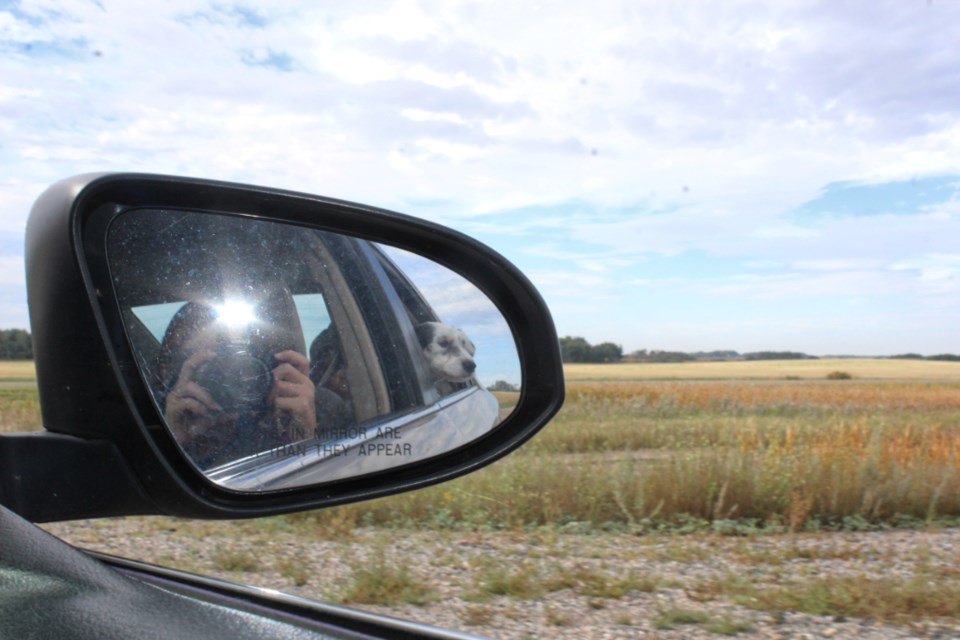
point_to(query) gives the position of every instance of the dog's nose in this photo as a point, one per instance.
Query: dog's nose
(470, 366)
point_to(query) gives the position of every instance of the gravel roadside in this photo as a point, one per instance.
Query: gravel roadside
(551, 585)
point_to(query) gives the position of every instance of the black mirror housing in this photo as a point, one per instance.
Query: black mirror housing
(106, 451)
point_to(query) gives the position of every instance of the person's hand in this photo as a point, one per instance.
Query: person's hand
(190, 410)
(293, 395)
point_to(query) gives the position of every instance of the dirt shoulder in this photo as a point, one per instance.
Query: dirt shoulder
(561, 585)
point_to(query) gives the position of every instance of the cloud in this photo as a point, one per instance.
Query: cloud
(742, 147)
(11, 270)
(618, 100)
(936, 274)
(819, 285)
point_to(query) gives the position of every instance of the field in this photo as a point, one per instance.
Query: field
(770, 445)
(765, 498)
(630, 451)
(16, 371)
(858, 368)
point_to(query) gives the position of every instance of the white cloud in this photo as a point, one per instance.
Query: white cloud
(718, 119)
(815, 285)
(11, 271)
(937, 274)
(16, 198)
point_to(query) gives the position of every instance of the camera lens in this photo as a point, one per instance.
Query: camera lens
(236, 379)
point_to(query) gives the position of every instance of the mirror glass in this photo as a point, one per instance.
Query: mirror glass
(281, 356)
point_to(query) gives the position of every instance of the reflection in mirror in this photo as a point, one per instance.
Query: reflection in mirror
(281, 356)
(460, 304)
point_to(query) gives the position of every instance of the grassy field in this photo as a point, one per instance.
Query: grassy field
(19, 405)
(765, 444)
(711, 446)
(19, 408)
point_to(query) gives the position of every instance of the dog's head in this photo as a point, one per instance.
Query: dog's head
(447, 351)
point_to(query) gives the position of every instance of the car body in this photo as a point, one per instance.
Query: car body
(120, 268)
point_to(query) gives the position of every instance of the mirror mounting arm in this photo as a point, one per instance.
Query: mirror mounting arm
(47, 477)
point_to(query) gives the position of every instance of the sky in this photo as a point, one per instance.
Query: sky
(687, 176)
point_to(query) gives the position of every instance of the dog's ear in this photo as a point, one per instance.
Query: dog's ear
(425, 332)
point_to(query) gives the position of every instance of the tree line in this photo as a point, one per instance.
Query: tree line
(577, 349)
(15, 344)
(727, 354)
(946, 357)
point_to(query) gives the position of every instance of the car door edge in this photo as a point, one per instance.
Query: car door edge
(297, 610)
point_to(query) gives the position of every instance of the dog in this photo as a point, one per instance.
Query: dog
(447, 351)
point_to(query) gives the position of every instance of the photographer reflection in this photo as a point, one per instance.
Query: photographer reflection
(230, 391)
(328, 372)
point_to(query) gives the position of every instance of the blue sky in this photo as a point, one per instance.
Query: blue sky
(686, 176)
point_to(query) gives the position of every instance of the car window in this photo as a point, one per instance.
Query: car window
(311, 308)
(413, 302)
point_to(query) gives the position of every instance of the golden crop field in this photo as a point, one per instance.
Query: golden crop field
(858, 368)
(17, 370)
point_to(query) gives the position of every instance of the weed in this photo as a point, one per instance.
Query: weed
(623, 618)
(295, 570)
(19, 408)
(727, 626)
(328, 524)
(233, 560)
(880, 598)
(562, 578)
(669, 618)
(556, 618)
(386, 583)
(895, 599)
(597, 584)
(521, 582)
(477, 615)
(602, 585)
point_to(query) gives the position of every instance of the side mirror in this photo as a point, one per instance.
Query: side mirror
(217, 350)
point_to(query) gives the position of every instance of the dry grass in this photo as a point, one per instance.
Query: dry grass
(382, 581)
(17, 370)
(884, 598)
(19, 405)
(19, 409)
(770, 395)
(645, 454)
(787, 454)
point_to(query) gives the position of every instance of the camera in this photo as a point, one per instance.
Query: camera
(237, 378)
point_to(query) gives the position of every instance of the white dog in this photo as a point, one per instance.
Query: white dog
(447, 351)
